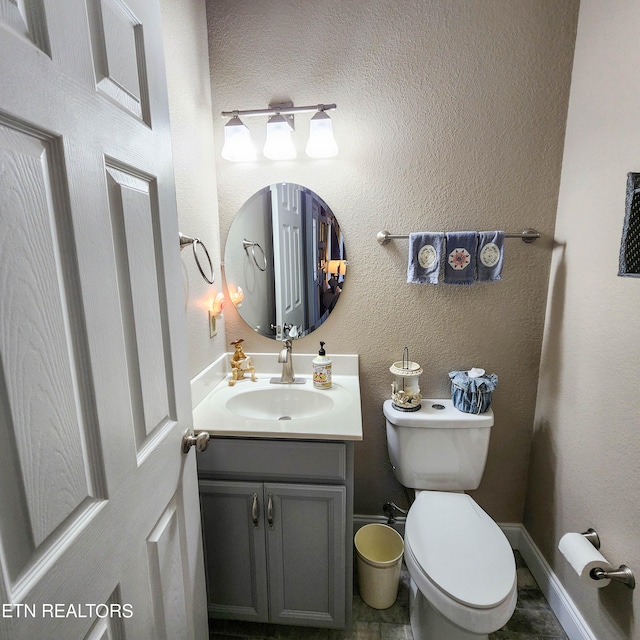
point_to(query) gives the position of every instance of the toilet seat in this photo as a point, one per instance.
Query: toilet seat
(461, 549)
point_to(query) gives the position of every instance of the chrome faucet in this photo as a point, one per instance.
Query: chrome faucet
(287, 362)
(285, 358)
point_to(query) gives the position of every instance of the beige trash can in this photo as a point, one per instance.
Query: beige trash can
(379, 549)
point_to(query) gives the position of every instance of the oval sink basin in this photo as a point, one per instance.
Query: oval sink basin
(280, 403)
(261, 409)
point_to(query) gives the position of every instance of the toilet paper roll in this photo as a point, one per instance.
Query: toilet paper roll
(584, 557)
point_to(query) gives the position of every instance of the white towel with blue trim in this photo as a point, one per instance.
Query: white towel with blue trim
(490, 256)
(425, 255)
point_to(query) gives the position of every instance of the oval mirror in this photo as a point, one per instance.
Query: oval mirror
(284, 261)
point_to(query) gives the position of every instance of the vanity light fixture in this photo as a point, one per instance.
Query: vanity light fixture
(321, 142)
(279, 145)
(237, 142)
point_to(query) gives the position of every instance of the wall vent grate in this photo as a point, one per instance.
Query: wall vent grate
(630, 246)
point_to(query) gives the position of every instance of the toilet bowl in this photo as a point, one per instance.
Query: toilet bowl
(462, 568)
(462, 565)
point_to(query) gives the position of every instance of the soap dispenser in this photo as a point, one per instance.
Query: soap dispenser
(322, 369)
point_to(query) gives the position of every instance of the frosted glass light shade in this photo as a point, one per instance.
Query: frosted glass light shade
(321, 142)
(237, 142)
(279, 145)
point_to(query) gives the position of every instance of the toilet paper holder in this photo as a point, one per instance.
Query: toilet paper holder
(621, 574)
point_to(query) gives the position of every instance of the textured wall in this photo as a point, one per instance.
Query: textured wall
(585, 464)
(185, 36)
(450, 116)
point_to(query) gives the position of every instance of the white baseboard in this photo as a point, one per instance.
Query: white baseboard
(574, 625)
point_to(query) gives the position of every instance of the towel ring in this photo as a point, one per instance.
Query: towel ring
(194, 242)
(248, 244)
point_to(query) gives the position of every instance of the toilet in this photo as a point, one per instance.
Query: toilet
(462, 568)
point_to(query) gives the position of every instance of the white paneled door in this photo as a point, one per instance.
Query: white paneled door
(99, 512)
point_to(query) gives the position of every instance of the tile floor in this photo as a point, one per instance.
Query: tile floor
(532, 620)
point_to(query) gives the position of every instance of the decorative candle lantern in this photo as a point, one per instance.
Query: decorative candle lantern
(405, 390)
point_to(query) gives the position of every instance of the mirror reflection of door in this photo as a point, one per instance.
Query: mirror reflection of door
(290, 282)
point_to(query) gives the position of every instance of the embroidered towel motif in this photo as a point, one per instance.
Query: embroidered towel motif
(425, 255)
(460, 257)
(490, 256)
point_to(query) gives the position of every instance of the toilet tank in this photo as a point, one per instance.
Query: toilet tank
(438, 447)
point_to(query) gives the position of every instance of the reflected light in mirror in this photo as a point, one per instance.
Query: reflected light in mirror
(237, 142)
(321, 142)
(236, 295)
(279, 145)
(337, 267)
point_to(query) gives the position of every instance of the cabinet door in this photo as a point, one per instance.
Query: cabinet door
(307, 556)
(235, 557)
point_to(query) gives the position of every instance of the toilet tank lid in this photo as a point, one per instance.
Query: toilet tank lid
(460, 549)
(436, 414)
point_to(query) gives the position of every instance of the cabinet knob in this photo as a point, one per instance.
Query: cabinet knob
(201, 441)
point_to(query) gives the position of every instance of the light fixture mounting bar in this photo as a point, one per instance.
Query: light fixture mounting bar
(278, 110)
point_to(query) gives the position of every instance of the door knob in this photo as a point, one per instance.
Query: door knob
(201, 441)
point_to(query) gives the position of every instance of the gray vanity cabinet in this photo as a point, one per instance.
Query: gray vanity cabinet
(235, 551)
(277, 530)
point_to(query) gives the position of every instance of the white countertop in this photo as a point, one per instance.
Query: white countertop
(342, 422)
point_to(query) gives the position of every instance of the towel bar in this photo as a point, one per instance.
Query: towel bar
(528, 236)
